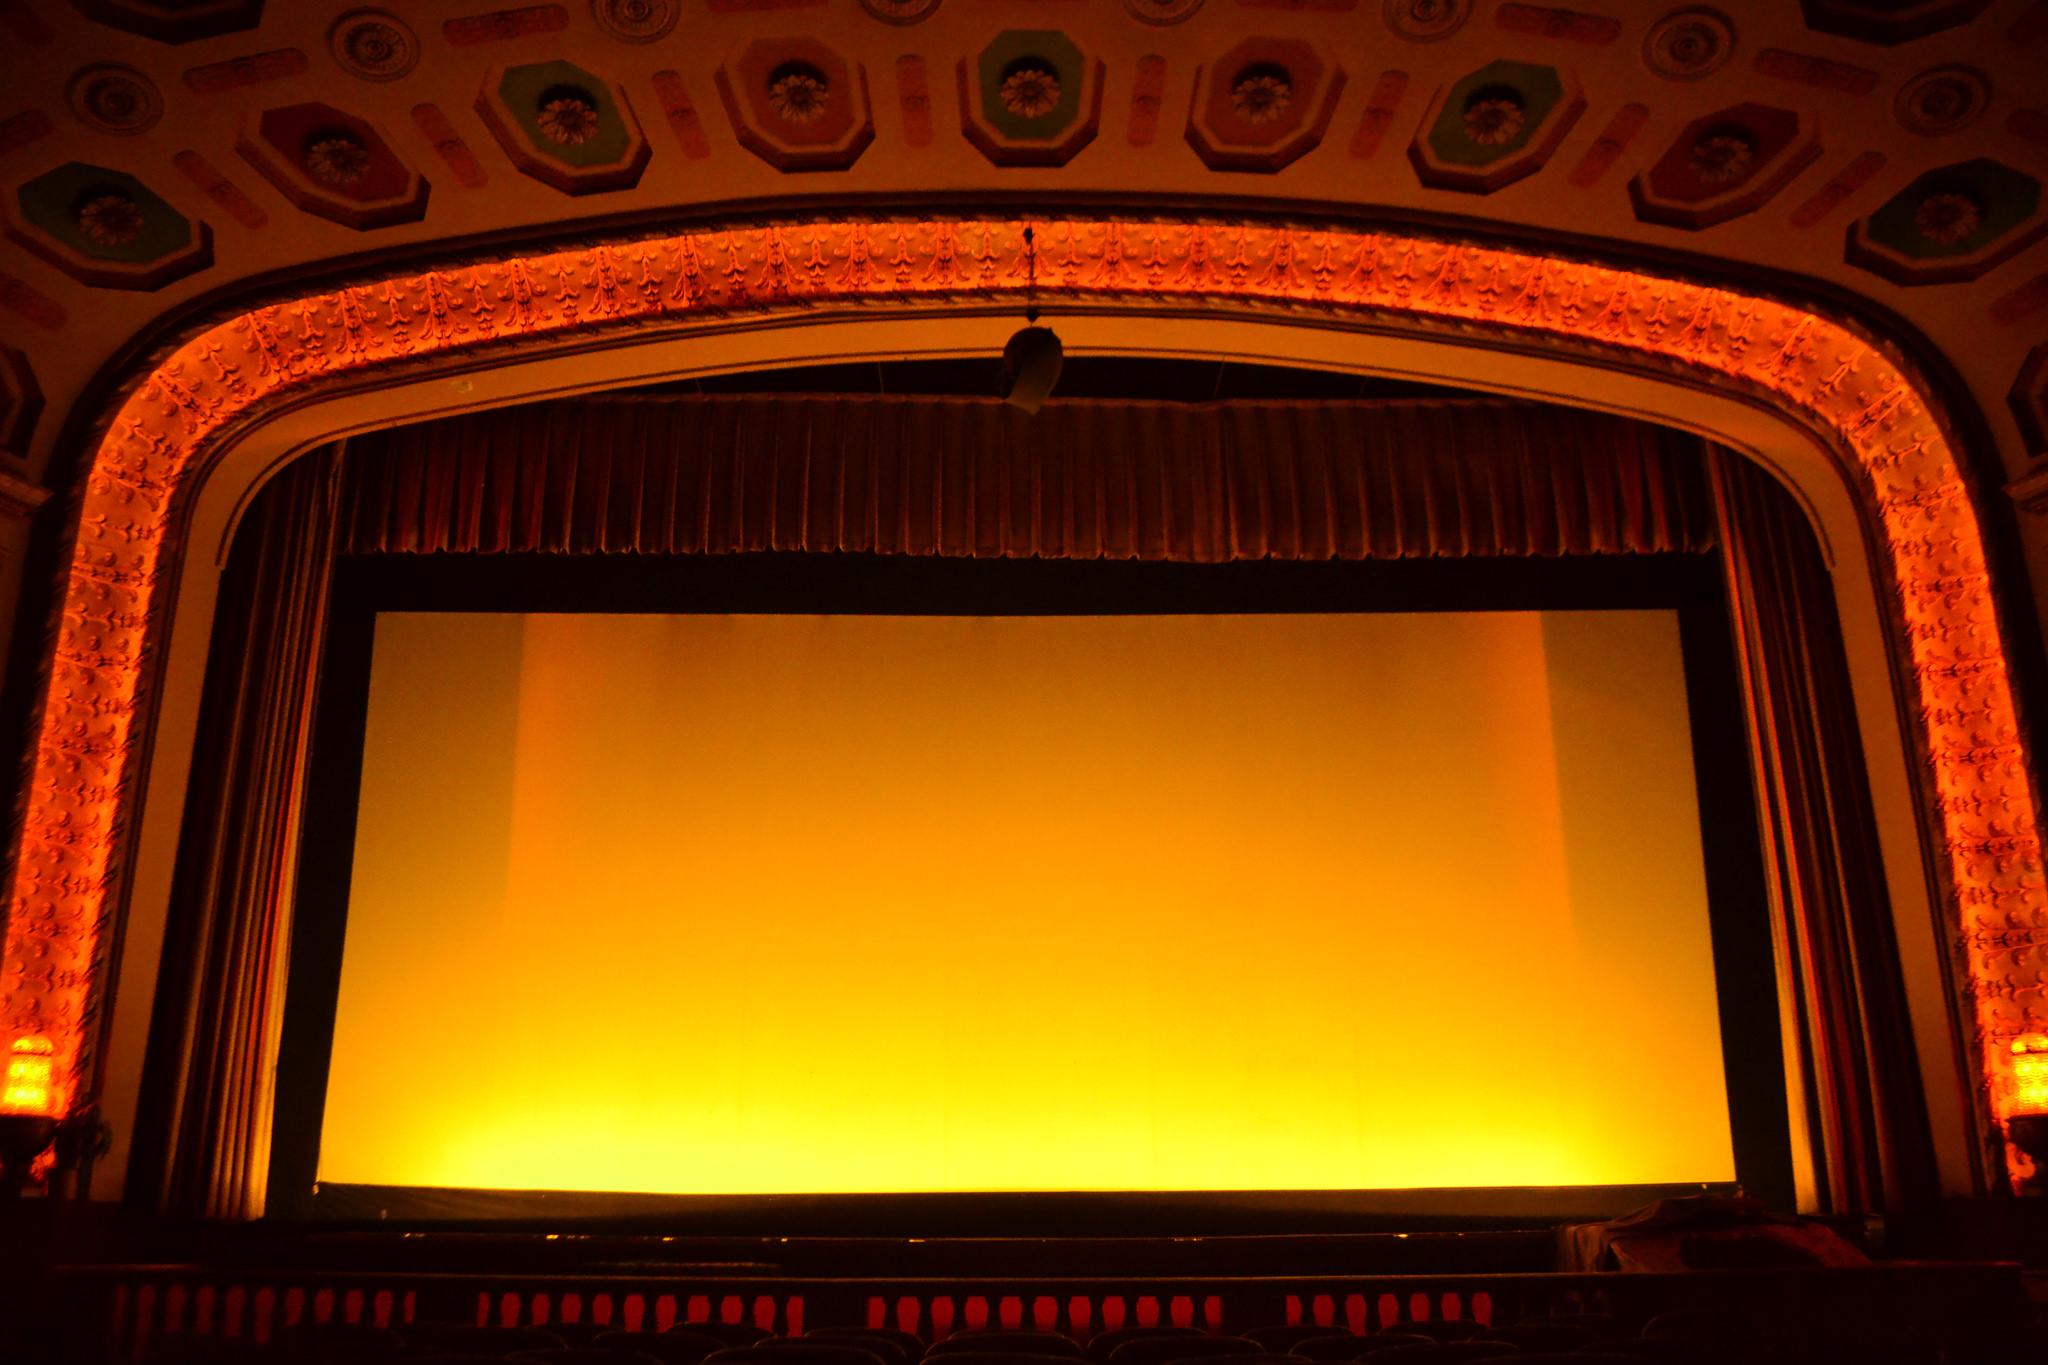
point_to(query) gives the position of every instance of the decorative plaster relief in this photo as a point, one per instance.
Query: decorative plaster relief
(104, 227)
(566, 127)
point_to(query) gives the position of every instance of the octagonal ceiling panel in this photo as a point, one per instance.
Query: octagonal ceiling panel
(797, 104)
(104, 227)
(174, 21)
(91, 92)
(1030, 98)
(1495, 126)
(565, 126)
(334, 165)
(1725, 164)
(1263, 104)
(1953, 223)
(1889, 21)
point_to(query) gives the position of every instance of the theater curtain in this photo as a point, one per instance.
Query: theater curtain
(220, 987)
(1082, 480)
(667, 475)
(1850, 1061)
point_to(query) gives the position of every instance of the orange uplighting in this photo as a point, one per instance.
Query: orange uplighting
(1819, 371)
(2030, 1074)
(30, 1087)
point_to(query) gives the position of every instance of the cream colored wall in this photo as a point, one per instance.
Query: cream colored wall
(1799, 457)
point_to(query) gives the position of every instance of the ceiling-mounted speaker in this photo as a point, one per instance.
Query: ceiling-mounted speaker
(1031, 366)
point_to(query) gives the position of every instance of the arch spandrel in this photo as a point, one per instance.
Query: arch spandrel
(91, 739)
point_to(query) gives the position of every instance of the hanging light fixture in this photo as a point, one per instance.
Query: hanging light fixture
(1031, 361)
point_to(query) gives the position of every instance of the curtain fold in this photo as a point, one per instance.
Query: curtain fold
(1850, 1060)
(220, 988)
(1081, 480)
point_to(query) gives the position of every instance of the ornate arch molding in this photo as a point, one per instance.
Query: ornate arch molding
(91, 738)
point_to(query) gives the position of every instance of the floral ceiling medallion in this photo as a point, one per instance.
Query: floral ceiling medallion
(1162, 11)
(1426, 21)
(565, 126)
(115, 99)
(1031, 90)
(1031, 97)
(797, 103)
(900, 11)
(106, 229)
(110, 219)
(568, 119)
(373, 45)
(338, 159)
(636, 21)
(799, 93)
(1260, 96)
(1263, 103)
(1943, 100)
(1689, 44)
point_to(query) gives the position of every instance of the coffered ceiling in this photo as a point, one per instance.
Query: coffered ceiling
(158, 153)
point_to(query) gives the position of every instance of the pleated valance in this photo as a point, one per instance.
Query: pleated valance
(1193, 482)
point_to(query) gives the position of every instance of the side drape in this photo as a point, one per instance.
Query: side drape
(1850, 1061)
(220, 990)
(1081, 480)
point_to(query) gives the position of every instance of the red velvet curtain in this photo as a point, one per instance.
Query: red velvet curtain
(1081, 480)
(664, 475)
(1850, 1060)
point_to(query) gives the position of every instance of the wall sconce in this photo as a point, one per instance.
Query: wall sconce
(28, 1117)
(2026, 1126)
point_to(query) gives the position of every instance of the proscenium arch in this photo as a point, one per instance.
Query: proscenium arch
(1850, 426)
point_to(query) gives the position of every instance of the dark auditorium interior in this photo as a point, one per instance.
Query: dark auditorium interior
(1023, 682)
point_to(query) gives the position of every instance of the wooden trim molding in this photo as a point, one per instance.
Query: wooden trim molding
(91, 738)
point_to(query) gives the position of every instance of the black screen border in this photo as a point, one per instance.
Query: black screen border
(784, 582)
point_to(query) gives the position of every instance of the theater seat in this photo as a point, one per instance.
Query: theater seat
(1701, 1324)
(578, 1333)
(1605, 1326)
(1103, 1344)
(1162, 1350)
(1447, 1353)
(191, 1351)
(1286, 1335)
(1538, 1335)
(453, 1338)
(673, 1347)
(1348, 1347)
(796, 1351)
(335, 1343)
(1006, 1341)
(584, 1355)
(731, 1333)
(1441, 1330)
(906, 1345)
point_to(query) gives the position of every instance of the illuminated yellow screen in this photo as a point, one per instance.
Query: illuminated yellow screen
(789, 903)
